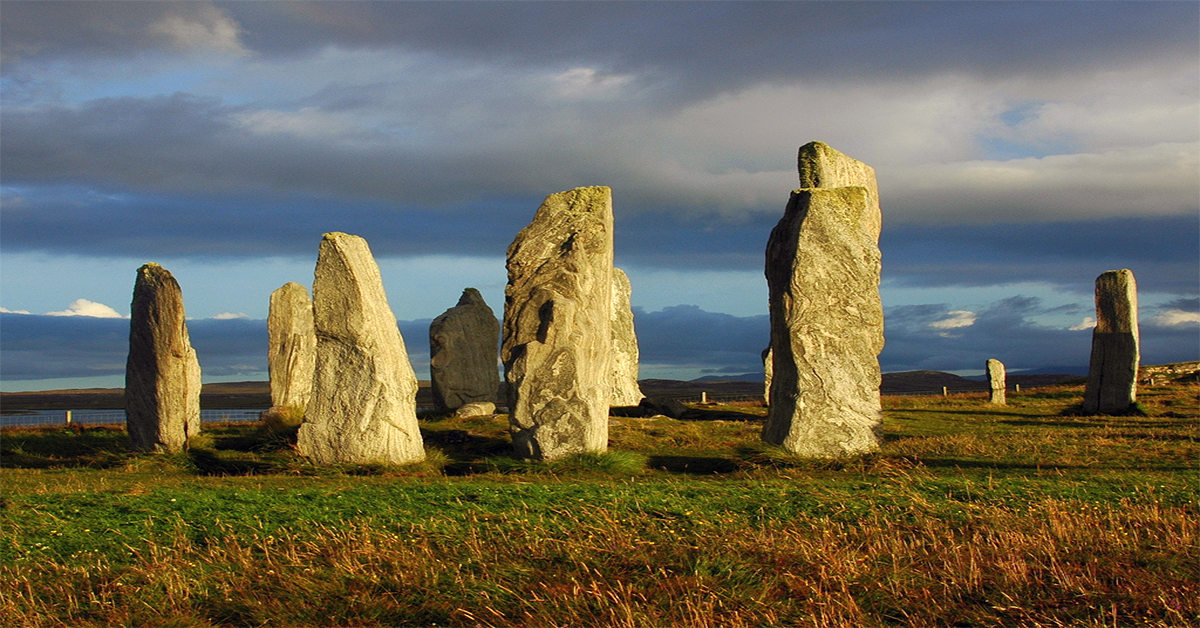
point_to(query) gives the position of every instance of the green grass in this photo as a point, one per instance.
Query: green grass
(971, 515)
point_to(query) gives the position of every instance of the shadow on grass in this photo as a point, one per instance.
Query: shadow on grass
(704, 414)
(693, 465)
(92, 447)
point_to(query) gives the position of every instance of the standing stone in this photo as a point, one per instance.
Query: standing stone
(162, 374)
(364, 407)
(557, 326)
(623, 364)
(995, 375)
(291, 346)
(1112, 372)
(823, 268)
(463, 345)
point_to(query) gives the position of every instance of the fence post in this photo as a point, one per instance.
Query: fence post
(68, 417)
(945, 392)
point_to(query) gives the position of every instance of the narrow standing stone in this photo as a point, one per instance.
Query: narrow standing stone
(557, 326)
(162, 374)
(463, 351)
(623, 365)
(292, 346)
(995, 375)
(1112, 372)
(822, 269)
(363, 406)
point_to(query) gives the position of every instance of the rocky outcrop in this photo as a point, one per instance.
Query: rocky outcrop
(1112, 371)
(996, 381)
(291, 346)
(557, 326)
(162, 374)
(623, 361)
(363, 406)
(823, 269)
(463, 350)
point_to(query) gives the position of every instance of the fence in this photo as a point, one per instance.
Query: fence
(111, 417)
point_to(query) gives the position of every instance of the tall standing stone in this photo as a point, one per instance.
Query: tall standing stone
(463, 351)
(823, 268)
(363, 406)
(557, 326)
(623, 364)
(995, 375)
(162, 374)
(1112, 372)
(291, 346)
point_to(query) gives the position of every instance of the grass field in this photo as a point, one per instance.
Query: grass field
(1023, 515)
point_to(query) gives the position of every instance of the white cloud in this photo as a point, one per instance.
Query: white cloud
(1088, 322)
(1172, 318)
(206, 28)
(957, 319)
(587, 83)
(8, 311)
(83, 307)
(225, 316)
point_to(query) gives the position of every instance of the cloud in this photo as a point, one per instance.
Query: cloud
(954, 320)
(31, 30)
(1088, 322)
(4, 310)
(225, 316)
(1174, 318)
(83, 307)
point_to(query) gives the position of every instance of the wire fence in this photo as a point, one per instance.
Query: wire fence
(33, 418)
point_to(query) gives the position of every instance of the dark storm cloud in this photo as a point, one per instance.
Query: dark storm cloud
(1004, 331)
(187, 143)
(687, 336)
(701, 47)
(1162, 252)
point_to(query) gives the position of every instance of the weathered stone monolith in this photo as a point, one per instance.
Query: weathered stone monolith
(823, 268)
(363, 406)
(623, 363)
(291, 346)
(162, 374)
(995, 375)
(1112, 373)
(557, 326)
(463, 350)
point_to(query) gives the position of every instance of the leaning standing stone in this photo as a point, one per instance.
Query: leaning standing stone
(1112, 372)
(292, 346)
(462, 353)
(557, 335)
(995, 375)
(162, 374)
(623, 365)
(823, 268)
(363, 407)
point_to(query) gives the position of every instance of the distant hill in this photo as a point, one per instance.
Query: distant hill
(744, 377)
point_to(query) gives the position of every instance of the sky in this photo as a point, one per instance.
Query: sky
(1021, 149)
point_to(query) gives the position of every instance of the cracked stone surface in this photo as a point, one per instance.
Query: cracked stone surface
(162, 373)
(364, 397)
(823, 268)
(291, 346)
(557, 326)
